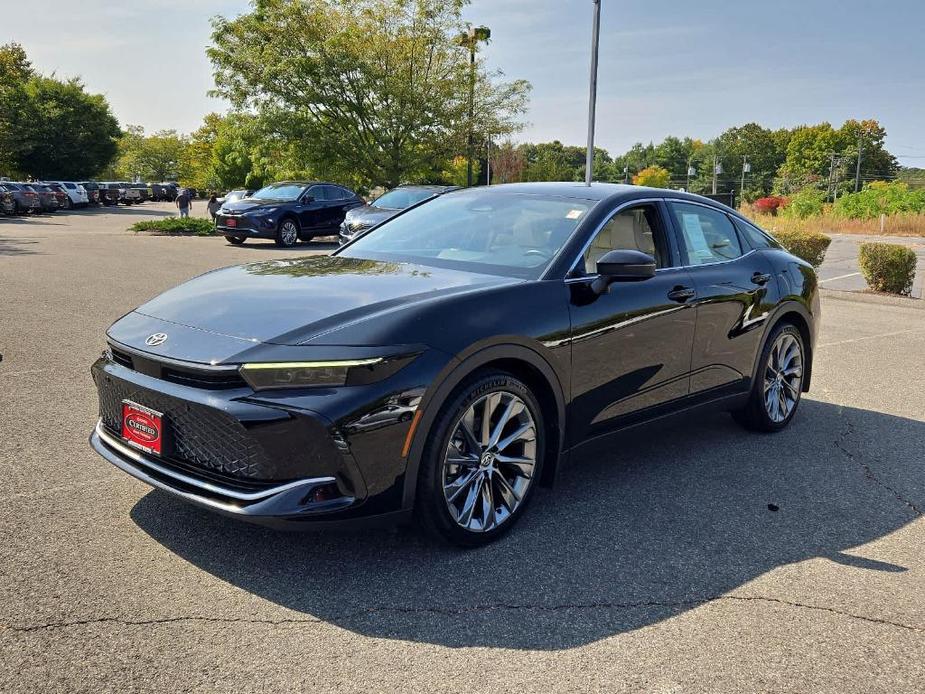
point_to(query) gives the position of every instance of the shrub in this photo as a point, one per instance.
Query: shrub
(888, 267)
(769, 205)
(809, 202)
(176, 225)
(879, 198)
(808, 245)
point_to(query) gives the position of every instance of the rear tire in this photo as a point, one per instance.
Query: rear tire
(234, 240)
(775, 395)
(476, 479)
(287, 235)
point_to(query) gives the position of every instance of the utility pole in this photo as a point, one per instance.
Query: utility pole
(746, 168)
(717, 169)
(592, 97)
(488, 161)
(857, 175)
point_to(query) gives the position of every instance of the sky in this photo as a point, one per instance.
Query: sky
(666, 68)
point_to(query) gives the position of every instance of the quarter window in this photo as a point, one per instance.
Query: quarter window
(755, 236)
(708, 235)
(636, 229)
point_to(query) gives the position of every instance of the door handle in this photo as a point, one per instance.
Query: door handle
(760, 278)
(681, 294)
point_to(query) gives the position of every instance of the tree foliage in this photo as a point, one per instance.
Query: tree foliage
(653, 176)
(155, 157)
(370, 90)
(51, 128)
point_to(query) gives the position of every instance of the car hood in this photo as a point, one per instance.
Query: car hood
(286, 302)
(251, 205)
(368, 215)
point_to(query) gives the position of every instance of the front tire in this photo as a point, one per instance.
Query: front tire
(482, 460)
(287, 235)
(775, 394)
(235, 240)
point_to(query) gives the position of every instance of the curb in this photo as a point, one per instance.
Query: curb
(871, 298)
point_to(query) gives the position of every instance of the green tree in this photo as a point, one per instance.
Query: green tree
(765, 152)
(73, 133)
(156, 157)
(376, 89)
(456, 171)
(15, 136)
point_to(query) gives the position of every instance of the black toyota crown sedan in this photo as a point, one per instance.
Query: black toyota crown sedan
(449, 361)
(287, 212)
(387, 206)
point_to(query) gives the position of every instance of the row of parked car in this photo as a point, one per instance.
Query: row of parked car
(18, 197)
(291, 211)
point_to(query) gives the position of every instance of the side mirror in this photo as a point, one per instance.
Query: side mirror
(623, 266)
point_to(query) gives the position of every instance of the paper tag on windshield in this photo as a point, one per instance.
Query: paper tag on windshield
(573, 214)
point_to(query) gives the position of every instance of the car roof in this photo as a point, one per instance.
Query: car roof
(613, 192)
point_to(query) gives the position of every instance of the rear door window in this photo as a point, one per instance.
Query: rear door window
(708, 234)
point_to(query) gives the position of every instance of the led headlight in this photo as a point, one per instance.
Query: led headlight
(304, 374)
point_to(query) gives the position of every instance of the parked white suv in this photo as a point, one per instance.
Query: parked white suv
(75, 192)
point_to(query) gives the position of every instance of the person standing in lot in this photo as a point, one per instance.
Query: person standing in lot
(184, 202)
(214, 205)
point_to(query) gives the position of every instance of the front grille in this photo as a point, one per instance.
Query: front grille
(242, 223)
(122, 358)
(199, 379)
(199, 437)
(210, 379)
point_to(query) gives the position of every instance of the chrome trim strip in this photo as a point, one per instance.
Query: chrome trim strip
(640, 201)
(147, 462)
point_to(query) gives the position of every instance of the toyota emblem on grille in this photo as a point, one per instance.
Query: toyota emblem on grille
(156, 339)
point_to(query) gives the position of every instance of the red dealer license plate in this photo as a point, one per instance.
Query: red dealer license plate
(231, 222)
(142, 427)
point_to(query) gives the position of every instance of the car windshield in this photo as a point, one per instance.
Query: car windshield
(235, 195)
(494, 232)
(280, 191)
(400, 198)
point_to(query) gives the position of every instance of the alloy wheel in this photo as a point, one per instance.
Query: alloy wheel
(783, 378)
(489, 461)
(289, 233)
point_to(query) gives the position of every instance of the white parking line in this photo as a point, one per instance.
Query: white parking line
(840, 277)
(871, 337)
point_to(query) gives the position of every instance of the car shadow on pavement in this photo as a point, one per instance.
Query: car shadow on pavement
(10, 246)
(646, 526)
(268, 245)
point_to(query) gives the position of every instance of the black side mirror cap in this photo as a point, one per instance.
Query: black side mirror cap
(623, 266)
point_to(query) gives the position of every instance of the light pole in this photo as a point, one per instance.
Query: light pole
(471, 39)
(592, 98)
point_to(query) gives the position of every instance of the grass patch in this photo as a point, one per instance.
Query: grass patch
(176, 225)
(893, 225)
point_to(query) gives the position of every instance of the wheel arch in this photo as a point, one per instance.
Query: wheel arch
(523, 362)
(796, 314)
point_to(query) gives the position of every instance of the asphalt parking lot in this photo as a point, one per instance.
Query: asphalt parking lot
(689, 556)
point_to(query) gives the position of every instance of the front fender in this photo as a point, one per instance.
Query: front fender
(501, 348)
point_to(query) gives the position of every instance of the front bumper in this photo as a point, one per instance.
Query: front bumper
(246, 227)
(228, 452)
(283, 502)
